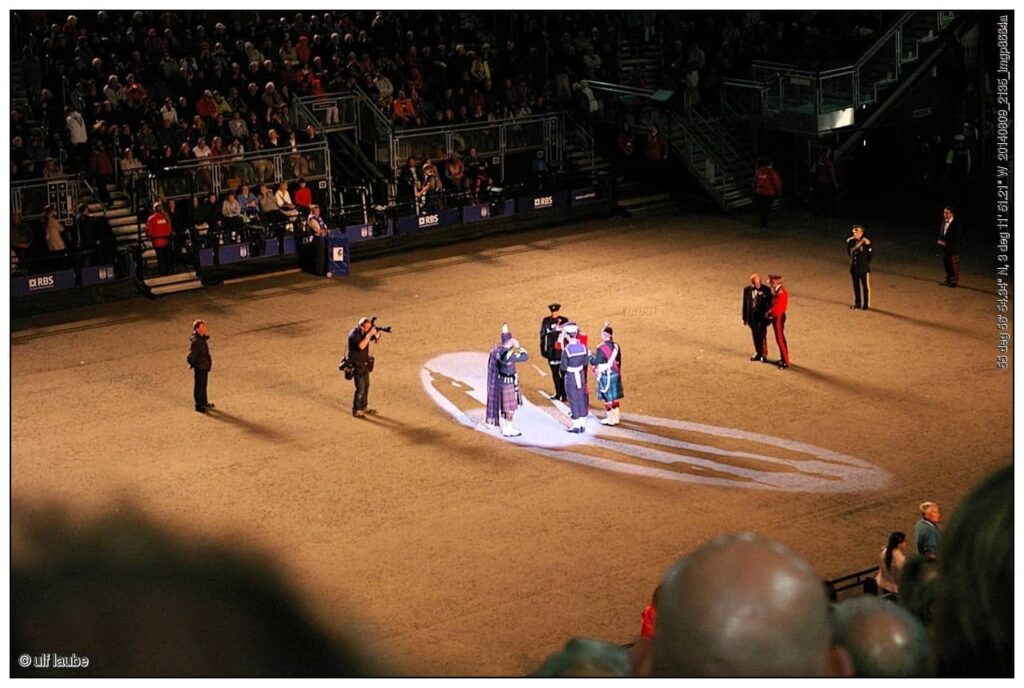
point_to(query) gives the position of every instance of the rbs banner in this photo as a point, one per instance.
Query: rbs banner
(416, 223)
(532, 204)
(35, 284)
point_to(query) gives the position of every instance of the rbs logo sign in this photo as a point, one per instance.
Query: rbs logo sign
(44, 282)
(428, 220)
(543, 202)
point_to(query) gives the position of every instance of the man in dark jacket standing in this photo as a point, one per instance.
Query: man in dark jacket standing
(200, 362)
(949, 242)
(756, 299)
(858, 247)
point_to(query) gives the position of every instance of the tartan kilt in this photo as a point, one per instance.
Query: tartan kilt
(509, 398)
(609, 386)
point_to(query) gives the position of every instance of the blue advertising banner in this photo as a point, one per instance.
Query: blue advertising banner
(232, 253)
(587, 194)
(289, 244)
(484, 211)
(530, 204)
(337, 254)
(206, 257)
(415, 223)
(273, 248)
(97, 274)
(363, 232)
(36, 284)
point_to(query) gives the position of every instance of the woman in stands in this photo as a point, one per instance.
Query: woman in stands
(891, 561)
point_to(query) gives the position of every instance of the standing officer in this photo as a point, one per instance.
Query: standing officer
(574, 361)
(777, 316)
(551, 347)
(359, 340)
(858, 247)
(949, 242)
(200, 362)
(767, 185)
(756, 299)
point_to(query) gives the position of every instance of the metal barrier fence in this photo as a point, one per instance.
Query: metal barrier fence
(30, 197)
(218, 175)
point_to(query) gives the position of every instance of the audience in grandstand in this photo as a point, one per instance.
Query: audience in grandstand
(882, 639)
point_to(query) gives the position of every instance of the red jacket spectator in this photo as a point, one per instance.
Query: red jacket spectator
(303, 196)
(656, 145)
(206, 106)
(302, 49)
(767, 181)
(403, 108)
(158, 229)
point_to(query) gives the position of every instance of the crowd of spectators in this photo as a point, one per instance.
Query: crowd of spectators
(158, 87)
(738, 606)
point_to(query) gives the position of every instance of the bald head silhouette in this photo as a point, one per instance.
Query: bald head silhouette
(742, 606)
(883, 640)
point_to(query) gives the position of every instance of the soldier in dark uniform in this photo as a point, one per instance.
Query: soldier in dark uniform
(551, 348)
(756, 299)
(858, 247)
(949, 243)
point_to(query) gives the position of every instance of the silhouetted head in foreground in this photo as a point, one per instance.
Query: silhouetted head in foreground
(882, 639)
(137, 601)
(744, 606)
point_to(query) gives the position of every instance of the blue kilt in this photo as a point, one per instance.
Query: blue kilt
(609, 385)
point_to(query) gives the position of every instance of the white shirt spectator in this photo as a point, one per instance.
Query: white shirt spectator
(169, 114)
(76, 128)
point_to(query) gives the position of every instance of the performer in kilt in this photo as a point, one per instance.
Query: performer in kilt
(575, 358)
(551, 348)
(607, 362)
(503, 396)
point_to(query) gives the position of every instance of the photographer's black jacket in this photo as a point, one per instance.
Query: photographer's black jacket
(360, 357)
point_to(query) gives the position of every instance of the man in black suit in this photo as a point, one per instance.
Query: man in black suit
(756, 299)
(949, 242)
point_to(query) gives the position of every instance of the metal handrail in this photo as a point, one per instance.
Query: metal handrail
(469, 126)
(896, 28)
(264, 154)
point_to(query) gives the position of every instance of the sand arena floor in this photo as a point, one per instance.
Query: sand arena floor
(450, 551)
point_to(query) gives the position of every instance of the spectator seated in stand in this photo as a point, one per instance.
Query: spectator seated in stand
(478, 176)
(270, 211)
(231, 212)
(250, 203)
(303, 198)
(284, 201)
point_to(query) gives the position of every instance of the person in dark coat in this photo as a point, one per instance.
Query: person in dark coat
(756, 299)
(551, 348)
(858, 247)
(200, 362)
(949, 243)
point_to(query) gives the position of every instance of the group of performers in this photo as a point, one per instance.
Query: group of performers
(565, 349)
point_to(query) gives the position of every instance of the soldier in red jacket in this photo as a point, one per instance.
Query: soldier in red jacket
(777, 316)
(767, 185)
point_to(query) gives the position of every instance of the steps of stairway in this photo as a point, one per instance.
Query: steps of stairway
(176, 288)
(163, 280)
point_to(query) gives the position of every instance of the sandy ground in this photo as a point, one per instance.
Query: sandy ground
(451, 552)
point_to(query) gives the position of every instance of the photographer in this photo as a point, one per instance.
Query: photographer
(359, 357)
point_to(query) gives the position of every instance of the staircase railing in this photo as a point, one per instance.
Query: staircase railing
(839, 92)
